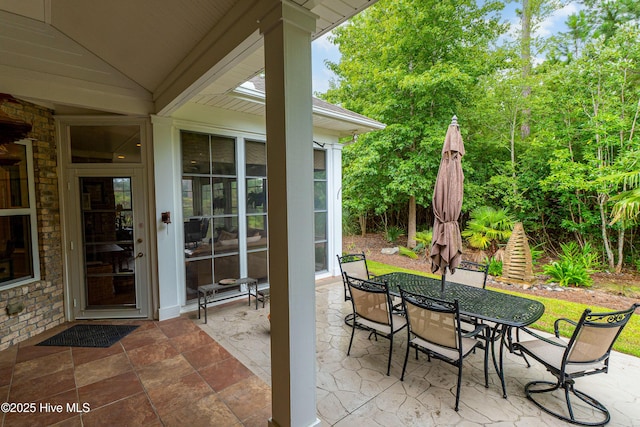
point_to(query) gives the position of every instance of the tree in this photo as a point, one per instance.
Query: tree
(413, 65)
(603, 81)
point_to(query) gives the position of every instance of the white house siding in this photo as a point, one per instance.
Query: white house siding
(168, 174)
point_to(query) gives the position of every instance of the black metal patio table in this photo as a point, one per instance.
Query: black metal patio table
(505, 310)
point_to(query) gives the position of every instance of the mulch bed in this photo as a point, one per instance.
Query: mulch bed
(372, 244)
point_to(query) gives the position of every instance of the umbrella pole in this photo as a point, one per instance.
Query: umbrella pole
(444, 273)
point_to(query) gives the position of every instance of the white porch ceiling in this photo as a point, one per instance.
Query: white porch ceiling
(137, 56)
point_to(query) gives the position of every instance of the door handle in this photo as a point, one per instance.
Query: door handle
(139, 255)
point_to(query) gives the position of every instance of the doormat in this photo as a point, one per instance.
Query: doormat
(89, 336)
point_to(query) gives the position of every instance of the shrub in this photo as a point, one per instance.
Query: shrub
(574, 266)
(423, 241)
(566, 273)
(585, 256)
(393, 233)
(424, 237)
(536, 253)
(495, 267)
(488, 227)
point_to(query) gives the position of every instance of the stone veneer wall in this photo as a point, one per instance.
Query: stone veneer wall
(43, 300)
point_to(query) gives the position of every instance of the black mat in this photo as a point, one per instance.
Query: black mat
(89, 336)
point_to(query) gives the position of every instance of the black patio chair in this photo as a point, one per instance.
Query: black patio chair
(434, 329)
(355, 265)
(373, 311)
(585, 353)
(470, 274)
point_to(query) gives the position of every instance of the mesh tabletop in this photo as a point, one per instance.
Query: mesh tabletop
(484, 304)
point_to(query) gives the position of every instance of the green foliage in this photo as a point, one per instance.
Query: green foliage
(412, 65)
(585, 255)
(393, 233)
(350, 225)
(536, 253)
(409, 253)
(574, 266)
(423, 241)
(487, 227)
(495, 267)
(567, 273)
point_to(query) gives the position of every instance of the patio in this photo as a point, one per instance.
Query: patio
(354, 390)
(183, 371)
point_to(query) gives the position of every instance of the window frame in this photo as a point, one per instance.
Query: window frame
(324, 210)
(31, 211)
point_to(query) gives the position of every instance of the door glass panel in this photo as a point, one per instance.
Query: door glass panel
(108, 241)
(105, 144)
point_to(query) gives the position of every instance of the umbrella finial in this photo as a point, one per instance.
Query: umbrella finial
(454, 120)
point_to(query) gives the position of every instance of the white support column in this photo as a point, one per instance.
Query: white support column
(167, 178)
(287, 32)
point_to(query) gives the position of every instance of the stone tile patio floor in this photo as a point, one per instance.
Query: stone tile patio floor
(183, 372)
(354, 391)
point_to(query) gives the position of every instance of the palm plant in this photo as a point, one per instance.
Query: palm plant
(488, 227)
(627, 202)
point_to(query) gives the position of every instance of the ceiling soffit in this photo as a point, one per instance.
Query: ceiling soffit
(160, 52)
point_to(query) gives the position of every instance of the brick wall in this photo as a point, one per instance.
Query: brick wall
(43, 300)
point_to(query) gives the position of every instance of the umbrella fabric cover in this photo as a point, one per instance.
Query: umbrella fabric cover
(446, 245)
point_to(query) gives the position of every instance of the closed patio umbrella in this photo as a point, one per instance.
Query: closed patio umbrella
(446, 244)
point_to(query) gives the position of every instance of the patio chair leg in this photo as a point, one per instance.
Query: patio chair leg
(459, 384)
(390, 353)
(353, 331)
(568, 390)
(406, 358)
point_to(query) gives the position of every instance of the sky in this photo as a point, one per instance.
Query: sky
(322, 49)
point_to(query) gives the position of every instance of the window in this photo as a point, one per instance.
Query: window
(105, 144)
(320, 208)
(256, 182)
(210, 209)
(19, 260)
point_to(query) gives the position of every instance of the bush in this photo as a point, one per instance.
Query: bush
(487, 227)
(424, 237)
(423, 241)
(393, 233)
(567, 273)
(495, 267)
(536, 253)
(584, 256)
(574, 266)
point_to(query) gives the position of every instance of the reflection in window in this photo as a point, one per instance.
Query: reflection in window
(256, 204)
(320, 208)
(105, 144)
(18, 246)
(210, 209)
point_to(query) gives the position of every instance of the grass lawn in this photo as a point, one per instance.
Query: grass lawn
(628, 342)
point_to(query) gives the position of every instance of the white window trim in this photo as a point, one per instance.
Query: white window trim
(33, 219)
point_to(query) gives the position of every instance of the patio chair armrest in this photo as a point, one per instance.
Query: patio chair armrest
(541, 338)
(480, 328)
(556, 329)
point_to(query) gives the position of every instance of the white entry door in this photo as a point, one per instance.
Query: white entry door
(109, 248)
